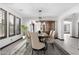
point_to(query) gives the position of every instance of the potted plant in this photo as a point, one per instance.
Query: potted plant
(24, 29)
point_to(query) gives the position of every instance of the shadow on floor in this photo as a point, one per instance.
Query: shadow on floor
(50, 51)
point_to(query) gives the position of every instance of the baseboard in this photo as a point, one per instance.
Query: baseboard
(74, 37)
(10, 43)
(60, 39)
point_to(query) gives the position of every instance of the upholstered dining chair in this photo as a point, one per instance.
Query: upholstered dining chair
(50, 34)
(36, 44)
(28, 36)
(51, 39)
(28, 43)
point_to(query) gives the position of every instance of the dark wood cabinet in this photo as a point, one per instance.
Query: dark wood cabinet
(47, 26)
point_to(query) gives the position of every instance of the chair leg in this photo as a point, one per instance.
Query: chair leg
(53, 45)
(44, 52)
(38, 52)
(32, 51)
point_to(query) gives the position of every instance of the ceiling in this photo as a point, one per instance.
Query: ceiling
(71, 17)
(48, 9)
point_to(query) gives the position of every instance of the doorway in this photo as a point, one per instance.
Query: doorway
(78, 29)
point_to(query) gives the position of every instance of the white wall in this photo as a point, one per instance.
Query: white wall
(9, 40)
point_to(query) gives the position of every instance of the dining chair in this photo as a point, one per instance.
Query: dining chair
(28, 36)
(28, 43)
(50, 34)
(36, 44)
(51, 39)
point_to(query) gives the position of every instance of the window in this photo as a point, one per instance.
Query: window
(11, 25)
(3, 23)
(17, 25)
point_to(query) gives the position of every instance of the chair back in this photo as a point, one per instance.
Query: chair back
(51, 39)
(28, 37)
(50, 34)
(53, 35)
(36, 44)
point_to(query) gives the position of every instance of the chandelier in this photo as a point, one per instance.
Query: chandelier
(40, 11)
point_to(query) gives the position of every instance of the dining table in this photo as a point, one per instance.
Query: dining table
(43, 37)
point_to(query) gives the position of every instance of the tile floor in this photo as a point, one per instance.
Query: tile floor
(71, 45)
